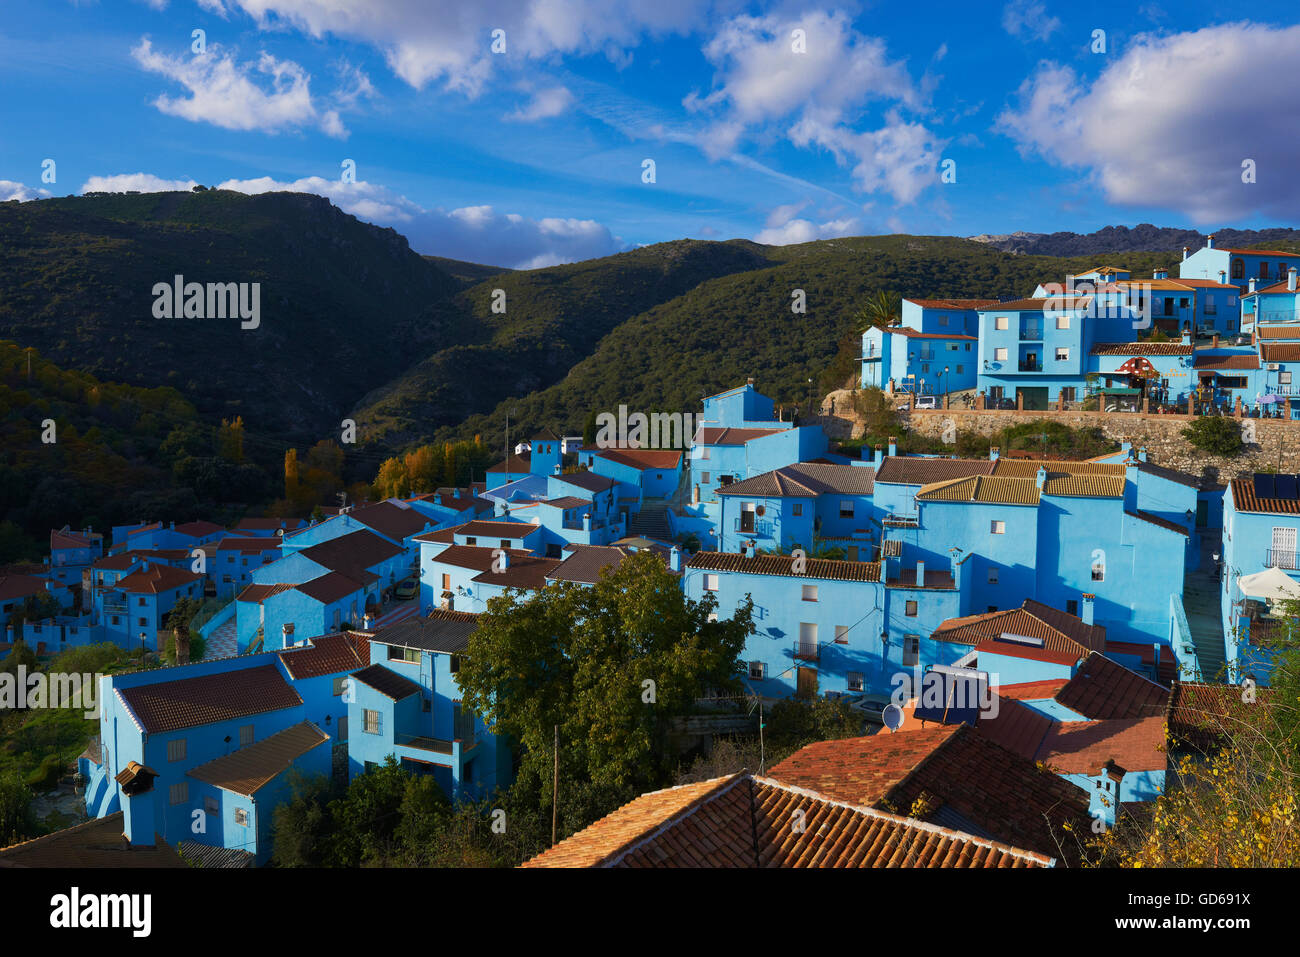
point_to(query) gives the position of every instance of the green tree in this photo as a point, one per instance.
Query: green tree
(1217, 435)
(179, 619)
(881, 309)
(17, 822)
(580, 658)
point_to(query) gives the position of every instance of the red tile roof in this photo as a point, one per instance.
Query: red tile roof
(783, 565)
(252, 767)
(157, 578)
(1017, 727)
(914, 470)
(643, 459)
(965, 304)
(260, 593)
(1102, 688)
(333, 586)
(96, 843)
(20, 586)
(1084, 747)
(1032, 690)
(326, 655)
(744, 821)
(1245, 500)
(1202, 716)
(1227, 362)
(497, 529)
(1059, 631)
(198, 529)
(513, 463)
(189, 702)
(715, 436)
(477, 557)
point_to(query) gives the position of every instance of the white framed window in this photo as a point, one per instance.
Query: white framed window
(808, 633)
(1063, 322)
(210, 805)
(1284, 378)
(176, 749)
(909, 608)
(911, 649)
(245, 735)
(371, 721)
(757, 670)
(855, 680)
(340, 685)
(993, 574)
(1002, 322)
(1062, 354)
(809, 592)
(710, 582)
(1000, 354)
(841, 634)
(241, 816)
(1099, 570)
(179, 793)
(997, 527)
(846, 508)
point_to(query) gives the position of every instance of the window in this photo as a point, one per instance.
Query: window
(704, 452)
(143, 622)
(704, 477)
(807, 639)
(471, 540)
(1000, 355)
(841, 634)
(911, 649)
(340, 684)
(453, 664)
(139, 601)
(925, 367)
(1238, 269)
(398, 653)
(943, 320)
(993, 574)
(809, 592)
(176, 749)
(710, 582)
(1062, 354)
(210, 805)
(1071, 607)
(1284, 378)
(910, 609)
(757, 670)
(959, 370)
(855, 680)
(241, 816)
(371, 725)
(997, 527)
(1284, 541)
(179, 793)
(1001, 322)
(245, 735)
(1232, 382)
(446, 582)
(1063, 322)
(796, 509)
(505, 543)
(1099, 571)
(846, 508)
(343, 729)
(1263, 270)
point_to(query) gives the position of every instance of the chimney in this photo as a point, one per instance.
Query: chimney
(138, 824)
(556, 470)
(1184, 252)
(1214, 341)
(749, 548)
(750, 381)
(1250, 286)
(1223, 277)
(1142, 454)
(1209, 241)
(994, 452)
(1041, 476)
(920, 574)
(1160, 274)
(1089, 601)
(367, 622)
(501, 507)
(878, 458)
(1290, 279)
(1124, 446)
(586, 522)
(1187, 337)
(893, 446)
(505, 558)
(675, 560)
(286, 635)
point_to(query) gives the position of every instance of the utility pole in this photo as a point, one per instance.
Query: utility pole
(555, 786)
(762, 752)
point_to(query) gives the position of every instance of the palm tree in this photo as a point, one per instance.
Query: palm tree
(882, 308)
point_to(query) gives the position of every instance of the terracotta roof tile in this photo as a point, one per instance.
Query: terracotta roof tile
(784, 565)
(916, 470)
(1245, 500)
(1102, 688)
(1141, 349)
(965, 304)
(254, 766)
(1058, 630)
(807, 480)
(157, 578)
(207, 699)
(1084, 747)
(387, 682)
(643, 459)
(982, 488)
(1274, 331)
(715, 436)
(96, 843)
(1201, 716)
(325, 655)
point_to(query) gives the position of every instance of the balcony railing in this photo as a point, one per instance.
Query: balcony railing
(1030, 366)
(1284, 390)
(1032, 333)
(761, 527)
(904, 521)
(806, 651)
(1282, 558)
(424, 743)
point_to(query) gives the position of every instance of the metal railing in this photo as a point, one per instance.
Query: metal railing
(1282, 558)
(806, 651)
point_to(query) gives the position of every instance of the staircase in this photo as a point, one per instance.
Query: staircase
(651, 521)
(221, 643)
(1201, 601)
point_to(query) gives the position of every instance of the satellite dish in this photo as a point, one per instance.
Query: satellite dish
(279, 533)
(892, 716)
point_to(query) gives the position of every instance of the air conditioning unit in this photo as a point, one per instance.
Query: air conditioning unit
(1272, 367)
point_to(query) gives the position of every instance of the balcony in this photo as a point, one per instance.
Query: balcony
(759, 527)
(423, 743)
(1029, 364)
(1031, 332)
(1282, 558)
(806, 651)
(898, 520)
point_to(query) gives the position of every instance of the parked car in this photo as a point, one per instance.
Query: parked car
(871, 706)
(406, 590)
(926, 402)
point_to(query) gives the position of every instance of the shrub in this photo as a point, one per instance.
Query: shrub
(1216, 435)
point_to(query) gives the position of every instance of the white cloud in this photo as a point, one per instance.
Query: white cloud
(231, 95)
(1029, 20)
(473, 233)
(816, 97)
(1163, 125)
(135, 182)
(449, 41)
(13, 190)
(545, 103)
(783, 229)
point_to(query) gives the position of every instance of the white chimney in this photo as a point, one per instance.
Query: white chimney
(1290, 279)
(893, 446)
(675, 560)
(1223, 277)
(1251, 286)
(1184, 252)
(1209, 241)
(505, 559)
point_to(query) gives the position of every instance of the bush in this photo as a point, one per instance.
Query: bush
(1216, 435)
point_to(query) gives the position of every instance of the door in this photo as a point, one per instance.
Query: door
(1034, 398)
(806, 682)
(747, 516)
(1283, 547)
(1202, 514)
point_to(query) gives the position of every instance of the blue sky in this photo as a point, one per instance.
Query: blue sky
(534, 155)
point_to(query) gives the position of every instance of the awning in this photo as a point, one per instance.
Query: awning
(1118, 390)
(1137, 366)
(1272, 584)
(1268, 399)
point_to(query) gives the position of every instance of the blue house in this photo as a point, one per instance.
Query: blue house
(407, 704)
(798, 505)
(71, 553)
(1239, 266)
(900, 359)
(654, 473)
(134, 612)
(741, 408)
(233, 560)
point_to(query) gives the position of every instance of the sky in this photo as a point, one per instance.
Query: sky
(525, 133)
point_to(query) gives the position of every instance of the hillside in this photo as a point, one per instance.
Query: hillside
(717, 334)
(1122, 239)
(343, 304)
